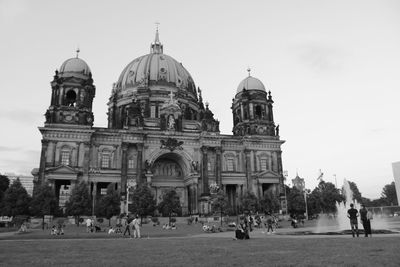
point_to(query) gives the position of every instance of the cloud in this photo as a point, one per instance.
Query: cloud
(8, 149)
(20, 115)
(10, 10)
(320, 57)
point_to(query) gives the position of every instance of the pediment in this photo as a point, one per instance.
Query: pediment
(62, 169)
(267, 174)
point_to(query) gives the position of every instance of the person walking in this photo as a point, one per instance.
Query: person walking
(366, 217)
(136, 227)
(270, 222)
(127, 226)
(352, 214)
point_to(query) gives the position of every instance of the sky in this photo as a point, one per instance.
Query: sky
(333, 68)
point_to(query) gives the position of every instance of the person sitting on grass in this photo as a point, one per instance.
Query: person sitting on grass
(239, 232)
(53, 230)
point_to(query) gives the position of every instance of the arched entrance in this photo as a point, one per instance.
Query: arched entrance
(171, 170)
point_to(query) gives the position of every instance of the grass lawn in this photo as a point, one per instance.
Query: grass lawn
(207, 251)
(188, 246)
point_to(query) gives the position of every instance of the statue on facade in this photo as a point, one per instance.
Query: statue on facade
(171, 122)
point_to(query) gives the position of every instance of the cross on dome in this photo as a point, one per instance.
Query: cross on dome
(156, 47)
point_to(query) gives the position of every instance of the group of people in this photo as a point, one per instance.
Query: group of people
(246, 224)
(365, 216)
(128, 223)
(91, 227)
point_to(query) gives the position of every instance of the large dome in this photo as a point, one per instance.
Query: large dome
(250, 83)
(74, 67)
(158, 68)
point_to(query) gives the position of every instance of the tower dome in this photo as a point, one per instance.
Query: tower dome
(250, 83)
(76, 67)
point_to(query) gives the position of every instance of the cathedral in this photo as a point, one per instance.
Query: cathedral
(159, 132)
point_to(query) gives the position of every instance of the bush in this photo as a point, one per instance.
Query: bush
(173, 220)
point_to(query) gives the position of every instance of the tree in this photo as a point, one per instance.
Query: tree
(388, 195)
(270, 202)
(16, 200)
(44, 202)
(143, 202)
(220, 203)
(324, 197)
(170, 204)
(109, 204)
(296, 202)
(79, 202)
(249, 202)
(4, 184)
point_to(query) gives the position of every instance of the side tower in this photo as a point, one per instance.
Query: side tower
(254, 126)
(67, 131)
(72, 94)
(252, 109)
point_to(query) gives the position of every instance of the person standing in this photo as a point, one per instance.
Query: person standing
(352, 214)
(88, 225)
(136, 227)
(365, 217)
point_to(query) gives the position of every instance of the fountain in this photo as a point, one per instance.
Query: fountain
(339, 223)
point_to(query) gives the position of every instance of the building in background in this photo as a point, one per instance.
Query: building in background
(299, 183)
(396, 175)
(26, 181)
(159, 132)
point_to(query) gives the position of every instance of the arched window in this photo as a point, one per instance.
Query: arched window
(258, 112)
(65, 157)
(71, 98)
(230, 162)
(105, 159)
(264, 161)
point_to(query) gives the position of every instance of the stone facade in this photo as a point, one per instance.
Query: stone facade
(159, 132)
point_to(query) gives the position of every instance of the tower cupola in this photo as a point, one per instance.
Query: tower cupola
(252, 109)
(72, 96)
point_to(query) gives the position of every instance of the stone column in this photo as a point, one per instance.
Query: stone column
(280, 171)
(42, 166)
(139, 163)
(94, 195)
(248, 169)
(124, 172)
(218, 166)
(86, 159)
(204, 174)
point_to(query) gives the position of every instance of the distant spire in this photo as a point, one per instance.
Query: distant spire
(156, 47)
(249, 70)
(77, 52)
